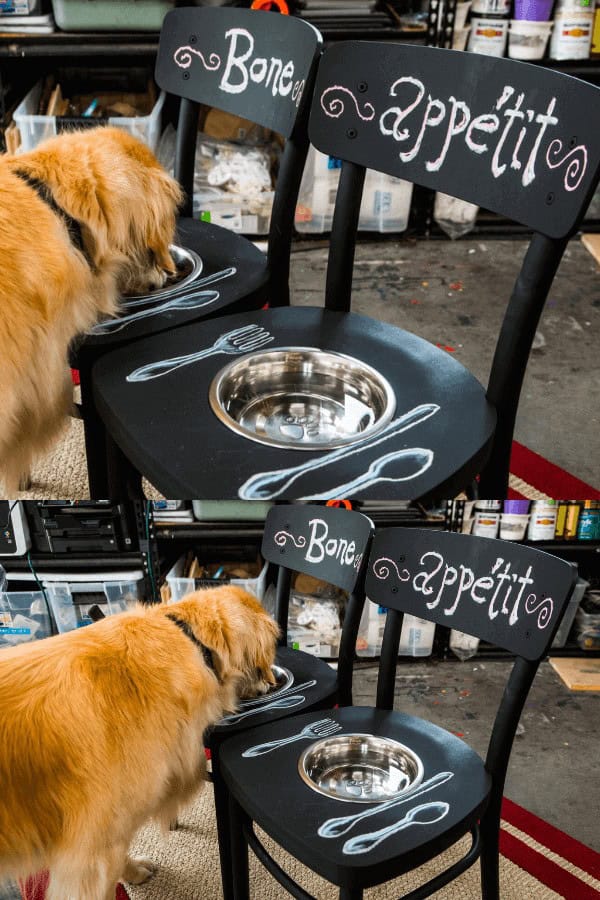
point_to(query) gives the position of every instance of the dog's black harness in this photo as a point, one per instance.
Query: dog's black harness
(207, 653)
(71, 224)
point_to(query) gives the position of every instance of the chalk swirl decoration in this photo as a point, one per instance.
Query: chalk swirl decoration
(381, 569)
(545, 608)
(183, 56)
(335, 106)
(282, 537)
(578, 158)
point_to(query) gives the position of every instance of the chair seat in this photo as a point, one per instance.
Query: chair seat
(220, 250)
(166, 427)
(250, 779)
(305, 669)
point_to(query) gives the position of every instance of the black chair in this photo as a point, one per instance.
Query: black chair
(516, 138)
(238, 61)
(331, 544)
(509, 594)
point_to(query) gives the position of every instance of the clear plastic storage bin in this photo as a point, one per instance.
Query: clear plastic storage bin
(110, 15)
(180, 586)
(70, 602)
(35, 128)
(385, 205)
(24, 617)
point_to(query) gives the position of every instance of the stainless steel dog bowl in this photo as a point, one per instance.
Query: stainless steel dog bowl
(189, 267)
(284, 679)
(360, 768)
(302, 398)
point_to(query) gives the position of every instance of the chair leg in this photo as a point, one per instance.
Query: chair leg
(239, 851)
(95, 439)
(490, 853)
(350, 893)
(124, 480)
(223, 826)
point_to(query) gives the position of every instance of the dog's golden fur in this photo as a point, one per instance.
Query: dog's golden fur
(126, 205)
(102, 730)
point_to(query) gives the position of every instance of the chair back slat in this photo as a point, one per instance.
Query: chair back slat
(247, 62)
(509, 594)
(326, 542)
(517, 139)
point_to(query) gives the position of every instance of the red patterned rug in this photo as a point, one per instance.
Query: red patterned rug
(535, 478)
(564, 865)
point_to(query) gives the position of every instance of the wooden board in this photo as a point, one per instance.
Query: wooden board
(592, 243)
(578, 673)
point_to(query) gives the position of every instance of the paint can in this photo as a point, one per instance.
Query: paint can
(513, 526)
(588, 521)
(572, 520)
(542, 522)
(486, 521)
(572, 34)
(561, 518)
(488, 36)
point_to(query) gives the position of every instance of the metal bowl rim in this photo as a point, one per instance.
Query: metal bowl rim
(307, 780)
(229, 422)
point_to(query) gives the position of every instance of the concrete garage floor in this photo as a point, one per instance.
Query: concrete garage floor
(454, 294)
(553, 770)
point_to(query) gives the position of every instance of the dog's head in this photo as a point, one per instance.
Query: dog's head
(125, 202)
(241, 635)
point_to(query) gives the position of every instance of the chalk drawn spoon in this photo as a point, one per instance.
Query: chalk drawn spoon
(425, 814)
(270, 485)
(400, 465)
(195, 301)
(284, 703)
(184, 291)
(333, 828)
(240, 340)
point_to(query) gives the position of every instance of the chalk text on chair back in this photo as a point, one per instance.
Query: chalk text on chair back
(515, 138)
(259, 68)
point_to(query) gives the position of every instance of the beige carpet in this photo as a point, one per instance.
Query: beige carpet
(62, 473)
(188, 863)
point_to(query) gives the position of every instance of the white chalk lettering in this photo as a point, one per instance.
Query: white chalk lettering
(271, 72)
(321, 545)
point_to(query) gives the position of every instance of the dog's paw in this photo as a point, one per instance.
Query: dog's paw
(139, 870)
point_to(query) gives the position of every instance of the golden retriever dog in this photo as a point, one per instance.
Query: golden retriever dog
(102, 728)
(84, 218)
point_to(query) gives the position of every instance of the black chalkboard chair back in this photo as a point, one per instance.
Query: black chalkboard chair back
(514, 138)
(332, 545)
(504, 592)
(261, 67)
